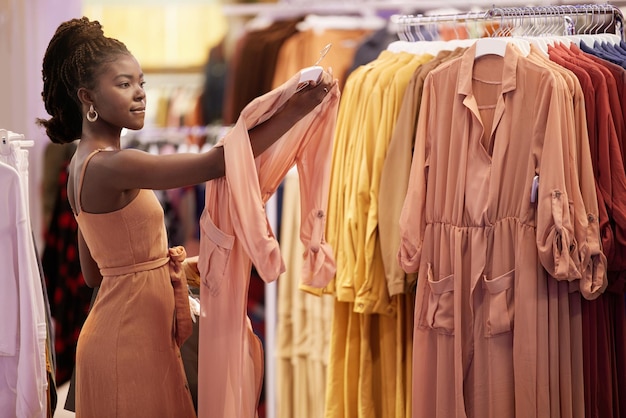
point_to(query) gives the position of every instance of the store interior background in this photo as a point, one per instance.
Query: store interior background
(171, 39)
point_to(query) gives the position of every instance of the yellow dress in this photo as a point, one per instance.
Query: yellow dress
(128, 360)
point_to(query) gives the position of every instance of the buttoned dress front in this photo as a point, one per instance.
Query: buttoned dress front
(481, 242)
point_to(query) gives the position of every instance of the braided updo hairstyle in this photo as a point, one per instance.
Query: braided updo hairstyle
(76, 55)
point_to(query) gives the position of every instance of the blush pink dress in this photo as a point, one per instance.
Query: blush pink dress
(236, 233)
(486, 249)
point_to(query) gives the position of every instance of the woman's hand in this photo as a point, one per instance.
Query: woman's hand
(298, 106)
(307, 99)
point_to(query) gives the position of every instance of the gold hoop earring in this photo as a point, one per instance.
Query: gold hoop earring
(92, 115)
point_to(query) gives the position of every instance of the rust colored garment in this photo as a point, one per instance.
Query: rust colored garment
(603, 318)
(235, 233)
(252, 66)
(482, 247)
(606, 155)
(128, 360)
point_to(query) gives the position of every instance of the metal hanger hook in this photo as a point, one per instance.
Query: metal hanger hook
(323, 53)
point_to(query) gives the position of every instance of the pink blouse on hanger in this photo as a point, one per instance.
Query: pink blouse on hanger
(236, 234)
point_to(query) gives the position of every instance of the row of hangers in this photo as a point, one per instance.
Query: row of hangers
(493, 29)
(353, 7)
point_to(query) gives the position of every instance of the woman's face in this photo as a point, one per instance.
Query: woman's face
(119, 97)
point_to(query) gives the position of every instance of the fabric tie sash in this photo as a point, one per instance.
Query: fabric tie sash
(183, 326)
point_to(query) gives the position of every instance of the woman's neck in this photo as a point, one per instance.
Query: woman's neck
(100, 141)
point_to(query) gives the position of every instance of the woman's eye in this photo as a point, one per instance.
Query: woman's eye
(124, 85)
(142, 84)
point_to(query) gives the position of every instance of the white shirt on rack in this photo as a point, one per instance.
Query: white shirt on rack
(23, 380)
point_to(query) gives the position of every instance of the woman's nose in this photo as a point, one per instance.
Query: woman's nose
(140, 95)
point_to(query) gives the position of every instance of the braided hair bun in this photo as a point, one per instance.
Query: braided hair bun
(76, 54)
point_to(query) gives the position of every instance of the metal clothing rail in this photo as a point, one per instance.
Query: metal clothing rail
(517, 21)
(362, 7)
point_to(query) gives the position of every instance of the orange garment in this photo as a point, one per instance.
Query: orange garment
(469, 228)
(559, 302)
(601, 327)
(128, 360)
(303, 48)
(236, 233)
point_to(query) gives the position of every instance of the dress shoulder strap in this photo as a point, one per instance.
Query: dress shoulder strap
(82, 177)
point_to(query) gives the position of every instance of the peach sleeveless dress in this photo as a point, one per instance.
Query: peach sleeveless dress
(128, 361)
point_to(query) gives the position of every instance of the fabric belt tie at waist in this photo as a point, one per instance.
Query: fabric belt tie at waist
(135, 268)
(183, 326)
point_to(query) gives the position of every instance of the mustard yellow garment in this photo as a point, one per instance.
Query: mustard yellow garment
(359, 180)
(377, 349)
(343, 163)
(344, 391)
(370, 347)
(353, 114)
(372, 295)
(394, 176)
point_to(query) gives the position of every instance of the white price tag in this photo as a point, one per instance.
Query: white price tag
(534, 189)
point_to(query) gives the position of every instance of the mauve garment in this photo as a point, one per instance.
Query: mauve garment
(236, 233)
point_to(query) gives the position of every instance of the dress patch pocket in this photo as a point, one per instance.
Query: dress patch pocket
(499, 304)
(439, 312)
(215, 248)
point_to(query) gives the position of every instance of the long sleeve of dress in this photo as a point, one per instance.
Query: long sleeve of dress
(568, 237)
(555, 229)
(236, 234)
(593, 262)
(412, 216)
(309, 146)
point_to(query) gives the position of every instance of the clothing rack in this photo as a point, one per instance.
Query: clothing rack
(175, 135)
(25, 364)
(591, 21)
(361, 7)
(11, 142)
(7, 137)
(518, 21)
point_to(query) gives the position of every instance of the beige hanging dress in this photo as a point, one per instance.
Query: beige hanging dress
(128, 360)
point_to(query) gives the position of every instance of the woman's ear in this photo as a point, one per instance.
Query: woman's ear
(85, 96)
